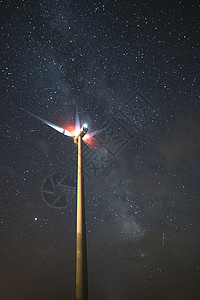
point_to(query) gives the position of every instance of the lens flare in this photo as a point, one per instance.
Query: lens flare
(86, 137)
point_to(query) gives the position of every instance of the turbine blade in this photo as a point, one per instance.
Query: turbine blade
(91, 134)
(77, 119)
(59, 129)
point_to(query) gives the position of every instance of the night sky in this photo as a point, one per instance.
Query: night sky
(132, 68)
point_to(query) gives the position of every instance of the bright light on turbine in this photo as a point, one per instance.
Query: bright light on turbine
(81, 133)
(85, 128)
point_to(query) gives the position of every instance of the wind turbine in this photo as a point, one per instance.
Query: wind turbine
(80, 134)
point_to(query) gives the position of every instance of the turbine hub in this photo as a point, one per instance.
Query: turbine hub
(81, 133)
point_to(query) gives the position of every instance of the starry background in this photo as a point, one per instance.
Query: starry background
(142, 200)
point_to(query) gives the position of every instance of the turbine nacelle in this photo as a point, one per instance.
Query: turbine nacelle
(81, 133)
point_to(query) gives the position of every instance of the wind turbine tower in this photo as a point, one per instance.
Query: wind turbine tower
(81, 251)
(80, 135)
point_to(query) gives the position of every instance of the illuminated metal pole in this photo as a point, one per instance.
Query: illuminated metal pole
(81, 255)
